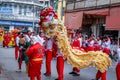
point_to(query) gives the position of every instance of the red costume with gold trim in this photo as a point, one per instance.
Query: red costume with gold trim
(35, 55)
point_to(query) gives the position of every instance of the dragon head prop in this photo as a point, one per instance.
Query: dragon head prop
(49, 22)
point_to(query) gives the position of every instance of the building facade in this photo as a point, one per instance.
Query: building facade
(46, 3)
(22, 14)
(98, 17)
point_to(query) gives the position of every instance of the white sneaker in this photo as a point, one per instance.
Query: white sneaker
(19, 70)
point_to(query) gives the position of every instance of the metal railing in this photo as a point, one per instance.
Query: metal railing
(22, 2)
(90, 4)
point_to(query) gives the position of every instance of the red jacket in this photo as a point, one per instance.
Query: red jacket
(35, 51)
(35, 54)
(76, 43)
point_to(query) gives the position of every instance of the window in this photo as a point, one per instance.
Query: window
(25, 10)
(20, 10)
(46, 3)
(0, 5)
(55, 5)
(10, 5)
(5, 5)
(30, 8)
(15, 5)
(41, 2)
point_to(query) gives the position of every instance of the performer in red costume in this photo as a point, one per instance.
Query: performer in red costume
(98, 44)
(80, 38)
(75, 45)
(85, 44)
(91, 44)
(100, 74)
(107, 43)
(48, 52)
(118, 64)
(60, 64)
(14, 36)
(7, 38)
(23, 45)
(35, 55)
(17, 45)
(4, 39)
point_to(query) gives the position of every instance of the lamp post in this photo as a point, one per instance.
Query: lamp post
(33, 15)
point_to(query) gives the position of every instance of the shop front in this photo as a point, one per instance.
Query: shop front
(10, 25)
(98, 22)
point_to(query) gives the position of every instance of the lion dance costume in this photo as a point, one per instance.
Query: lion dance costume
(53, 27)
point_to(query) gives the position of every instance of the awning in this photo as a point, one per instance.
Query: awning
(113, 20)
(100, 12)
(74, 19)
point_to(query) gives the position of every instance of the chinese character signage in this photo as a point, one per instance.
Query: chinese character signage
(6, 10)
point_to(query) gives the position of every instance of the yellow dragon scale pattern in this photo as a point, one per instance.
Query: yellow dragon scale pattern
(78, 58)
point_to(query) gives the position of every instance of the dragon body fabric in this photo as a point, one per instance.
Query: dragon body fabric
(51, 26)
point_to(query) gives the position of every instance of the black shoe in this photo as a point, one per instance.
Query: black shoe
(72, 73)
(76, 74)
(46, 74)
(56, 79)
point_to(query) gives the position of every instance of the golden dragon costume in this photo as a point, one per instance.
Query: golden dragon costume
(53, 27)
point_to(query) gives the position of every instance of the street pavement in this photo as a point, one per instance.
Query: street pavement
(8, 64)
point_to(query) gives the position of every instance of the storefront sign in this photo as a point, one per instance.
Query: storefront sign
(6, 10)
(16, 23)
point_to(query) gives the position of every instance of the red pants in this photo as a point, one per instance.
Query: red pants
(54, 54)
(54, 50)
(5, 43)
(118, 71)
(34, 70)
(60, 67)
(16, 52)
(102, 75)
(76, 69)
(38, 78)
(48, 61)
(20, 64)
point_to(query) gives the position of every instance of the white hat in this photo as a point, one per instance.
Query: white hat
(34, 39)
